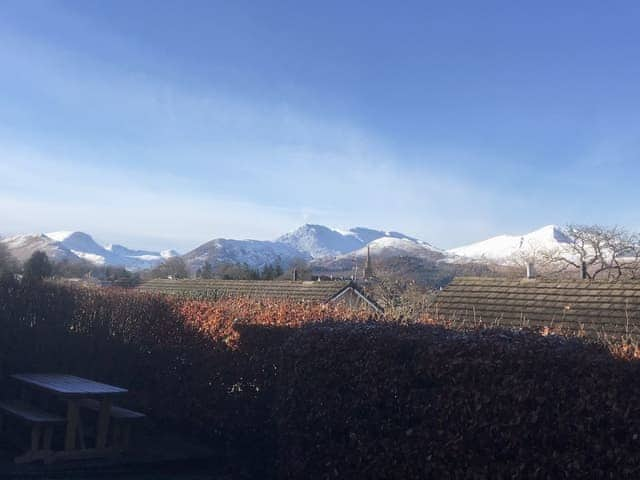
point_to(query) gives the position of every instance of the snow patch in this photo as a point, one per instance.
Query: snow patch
(506, 248)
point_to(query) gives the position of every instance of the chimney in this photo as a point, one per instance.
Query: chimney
(295, 274)
(368, 269)
(531, 271)
(583, 271)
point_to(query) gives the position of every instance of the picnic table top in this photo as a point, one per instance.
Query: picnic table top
(68, 385)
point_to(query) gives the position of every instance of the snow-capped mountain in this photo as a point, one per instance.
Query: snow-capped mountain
(144, 255)
(309, 242)
(319, 241)
(397, 247)
(255, 253)
(78, 246)
(508, 248)
(83, 246)
(383, 250)
(23, 246)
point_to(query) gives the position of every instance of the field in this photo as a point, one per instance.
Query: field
(309, 391)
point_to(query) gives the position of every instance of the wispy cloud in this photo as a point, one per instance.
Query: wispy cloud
(136, 158)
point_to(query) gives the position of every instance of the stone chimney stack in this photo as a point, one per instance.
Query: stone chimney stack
(531, 271)
(368, 269)
(295, 274)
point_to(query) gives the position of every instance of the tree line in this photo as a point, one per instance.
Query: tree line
(39, 266)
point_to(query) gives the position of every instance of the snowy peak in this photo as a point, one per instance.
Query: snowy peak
(308, 242)
(80, 246)
(551, 233)
(396, 246)
(60, 236)
(319, 241)
(366, 235)
(23, 246)
(504, 248)
(254, 253)
(79, 242)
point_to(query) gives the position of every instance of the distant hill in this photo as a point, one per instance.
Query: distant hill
(319, 241)
(329, 250)
(508, 248)
(79, 246)
(255, 253)
(316, 243)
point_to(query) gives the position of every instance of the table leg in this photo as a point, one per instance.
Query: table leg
(81, 433)
(48, 437)
(73, 414)
(103, 422)
(35, 437)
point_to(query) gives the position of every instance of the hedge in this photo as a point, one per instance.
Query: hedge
(309, 391)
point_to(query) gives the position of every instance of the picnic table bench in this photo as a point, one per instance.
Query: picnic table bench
(77, 392)
(39, 420)
(122, 418)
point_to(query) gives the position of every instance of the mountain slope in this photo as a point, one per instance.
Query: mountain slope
(505, 248)
(85, 247)
(396, 247)
(79, 246)
(382, 251)
(319, 241)
(255, 253)
(309, 242)
(23, 246)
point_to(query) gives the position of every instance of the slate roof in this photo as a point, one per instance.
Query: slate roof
(593, 307)
(322, 291)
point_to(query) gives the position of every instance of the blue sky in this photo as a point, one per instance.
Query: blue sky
(166, 124)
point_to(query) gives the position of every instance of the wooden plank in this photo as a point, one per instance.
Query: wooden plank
(68, 385)
(117, 412)
(29, 412)
(85, 454)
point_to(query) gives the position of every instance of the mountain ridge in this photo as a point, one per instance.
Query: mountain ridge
(318, 244)
(76, 246)
(506, 248)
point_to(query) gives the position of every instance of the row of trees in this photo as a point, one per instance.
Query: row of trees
(39, 266)
(176, 267)
(242, 271)
(36, 268)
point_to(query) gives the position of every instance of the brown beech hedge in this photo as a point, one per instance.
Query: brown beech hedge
(307, 391)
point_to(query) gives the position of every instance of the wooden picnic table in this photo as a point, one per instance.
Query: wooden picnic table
(73, 389)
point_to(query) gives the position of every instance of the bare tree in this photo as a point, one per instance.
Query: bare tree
(603, 252)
